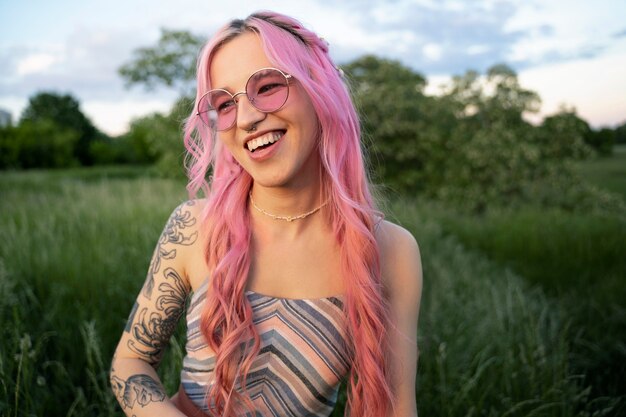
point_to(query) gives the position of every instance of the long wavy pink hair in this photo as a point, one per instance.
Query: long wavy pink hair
(226, 320)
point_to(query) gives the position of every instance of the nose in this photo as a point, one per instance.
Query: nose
(247, 114)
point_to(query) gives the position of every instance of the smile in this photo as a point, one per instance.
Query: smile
(264, 141)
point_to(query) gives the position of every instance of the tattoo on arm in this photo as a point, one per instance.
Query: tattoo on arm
(175, 233)
(141, 389)
(131, 317)
(151, 332)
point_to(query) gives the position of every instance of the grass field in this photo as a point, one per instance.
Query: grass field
(75, 246)
(607, 172)
(576, 258)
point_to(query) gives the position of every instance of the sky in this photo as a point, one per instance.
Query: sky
(571, 53)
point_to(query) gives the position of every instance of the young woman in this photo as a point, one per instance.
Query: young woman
(291, 279)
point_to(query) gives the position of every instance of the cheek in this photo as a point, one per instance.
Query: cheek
(226, 150)
(305, 108)
(226, 141)
(314, 130)
(308, 120)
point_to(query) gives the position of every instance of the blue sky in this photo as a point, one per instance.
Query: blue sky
(571, 53)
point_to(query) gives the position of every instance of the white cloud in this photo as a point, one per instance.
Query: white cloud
(93, 40)
(432, 51)
(562, 29)
(35, 63)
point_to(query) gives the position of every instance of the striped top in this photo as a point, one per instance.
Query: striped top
(302, 360)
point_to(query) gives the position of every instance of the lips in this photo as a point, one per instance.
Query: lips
(264, 140)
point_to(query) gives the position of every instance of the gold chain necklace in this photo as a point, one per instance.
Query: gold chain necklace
(286, 218)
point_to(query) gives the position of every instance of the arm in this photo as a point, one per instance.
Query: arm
(402, 273)
(153, 320)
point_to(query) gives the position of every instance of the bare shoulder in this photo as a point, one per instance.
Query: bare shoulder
(401, 264)
(191, 208)
(395, 235)
(183, 225)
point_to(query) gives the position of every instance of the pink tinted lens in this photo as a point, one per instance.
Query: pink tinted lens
(267, 90)
(222, 109)
(203, 110)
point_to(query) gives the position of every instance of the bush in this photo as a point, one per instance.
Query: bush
(64, 111)
(41, 144)
(157, 139)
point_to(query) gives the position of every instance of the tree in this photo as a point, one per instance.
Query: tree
(37, 144)
(497, 97)
(620, 134)
(64, 111)
(391, 103)
(602, 140)
(470, 146)
(157, 138)
(172, 62)
(564, 135)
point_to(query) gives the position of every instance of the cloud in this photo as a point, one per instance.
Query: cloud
(561, 31)
(438, 37)
(451, 36)
(80, 51)
(86, 64)
(35, 63)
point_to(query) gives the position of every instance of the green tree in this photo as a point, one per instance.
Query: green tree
(157, 138)
(602, 140)
(64, 111)
(563, 135)
(172, 62)
(391, 102)
(497, 97)
(109, 151)
(620, 134)
(470, 146)
(37, 144)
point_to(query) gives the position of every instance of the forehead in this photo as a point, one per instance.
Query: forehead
(235, 61)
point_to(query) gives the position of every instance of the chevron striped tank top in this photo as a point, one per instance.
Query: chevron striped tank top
(302, 360)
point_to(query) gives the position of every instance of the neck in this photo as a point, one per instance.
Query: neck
(270, 209)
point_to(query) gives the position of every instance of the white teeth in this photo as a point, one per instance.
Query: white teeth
(263, 140)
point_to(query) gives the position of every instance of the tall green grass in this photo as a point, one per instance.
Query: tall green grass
(75, 247)
(490, 343)
(74, 250)
(578, 259)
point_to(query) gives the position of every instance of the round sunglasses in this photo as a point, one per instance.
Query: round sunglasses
(267, 90)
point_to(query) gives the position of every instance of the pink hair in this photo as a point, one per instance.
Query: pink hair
(226, 320)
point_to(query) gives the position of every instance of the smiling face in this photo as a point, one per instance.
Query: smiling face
(282, 149)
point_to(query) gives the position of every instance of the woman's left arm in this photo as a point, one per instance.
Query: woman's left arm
(402, 274)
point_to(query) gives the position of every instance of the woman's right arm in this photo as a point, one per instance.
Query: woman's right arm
(153, 320)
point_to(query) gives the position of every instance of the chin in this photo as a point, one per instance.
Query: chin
(270, 182)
